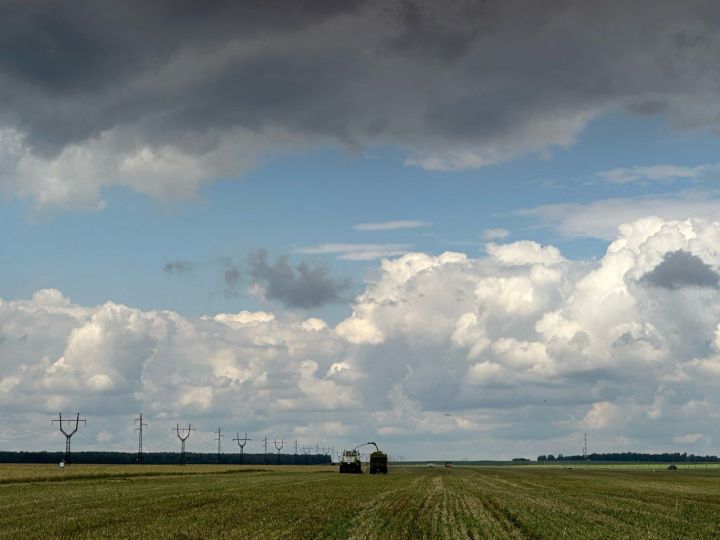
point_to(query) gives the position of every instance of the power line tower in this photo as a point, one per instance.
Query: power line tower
(584, 449)
(278, 448)
(241, 445)
(219, 436)
(265, 453)
(295, 454)
(139, 429)
(177, 431)
(68, 436)
(306, 452)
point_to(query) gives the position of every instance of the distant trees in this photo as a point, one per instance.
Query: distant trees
(157, 458)
(666, 457)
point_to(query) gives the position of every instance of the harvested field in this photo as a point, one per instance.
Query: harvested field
(316, 502)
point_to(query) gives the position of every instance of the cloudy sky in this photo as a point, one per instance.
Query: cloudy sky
(472, 229)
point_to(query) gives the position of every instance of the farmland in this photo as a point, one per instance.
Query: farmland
(316, 502)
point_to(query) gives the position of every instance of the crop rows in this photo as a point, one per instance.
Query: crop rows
(316, 502)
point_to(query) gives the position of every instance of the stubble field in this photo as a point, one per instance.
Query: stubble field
(315, 502)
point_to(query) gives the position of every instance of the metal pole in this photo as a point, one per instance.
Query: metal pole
(139, 429)
(219, 436)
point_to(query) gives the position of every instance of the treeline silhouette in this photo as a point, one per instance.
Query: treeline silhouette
(666, 457)
(163, 458)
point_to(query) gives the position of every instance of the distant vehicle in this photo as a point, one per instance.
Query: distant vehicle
(448, 465)
(430, 464)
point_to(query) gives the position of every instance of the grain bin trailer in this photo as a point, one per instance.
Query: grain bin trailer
(378, 461)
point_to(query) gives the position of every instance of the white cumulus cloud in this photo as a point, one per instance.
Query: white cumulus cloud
(519, 351)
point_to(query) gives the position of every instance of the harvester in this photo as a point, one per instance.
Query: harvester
(350, 461)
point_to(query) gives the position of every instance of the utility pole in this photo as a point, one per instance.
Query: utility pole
(68, 436)
(139, 429)
(242, 446)
(295, 458)
(177, 430)
(265, 454)
(219, 436)
(281, 443)
(585, 447)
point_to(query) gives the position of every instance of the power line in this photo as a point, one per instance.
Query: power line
(242, 446)
(139, 429)
(177, 430)
(68, 436)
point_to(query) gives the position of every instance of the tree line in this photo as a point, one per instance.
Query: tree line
(665, 457)
(164, 458)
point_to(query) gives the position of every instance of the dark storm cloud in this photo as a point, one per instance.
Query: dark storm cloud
(456, 84)
(303, 286)
(178, 267)
(681, 269)
(102, 58)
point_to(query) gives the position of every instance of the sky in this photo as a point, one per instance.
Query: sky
(476, 230)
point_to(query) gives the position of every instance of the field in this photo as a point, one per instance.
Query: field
(315, 502)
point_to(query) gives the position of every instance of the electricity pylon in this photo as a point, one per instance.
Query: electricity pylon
(68, 436)
(139, 429)
(177, 430)
(219, 436)
(306, 452)
(242, 446)
(281, 443)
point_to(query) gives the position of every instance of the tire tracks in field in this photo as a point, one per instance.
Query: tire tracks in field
(436, 506)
